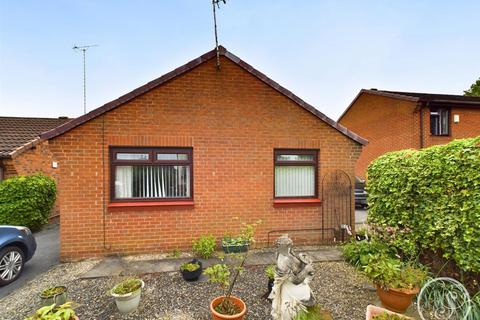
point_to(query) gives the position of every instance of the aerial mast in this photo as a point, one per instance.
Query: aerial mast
(84, 49)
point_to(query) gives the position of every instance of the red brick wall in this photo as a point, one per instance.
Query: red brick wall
(233, 121)
(392, 124)
(388, 124)
(469, 126)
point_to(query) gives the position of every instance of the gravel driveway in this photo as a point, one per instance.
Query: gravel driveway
(337, 286)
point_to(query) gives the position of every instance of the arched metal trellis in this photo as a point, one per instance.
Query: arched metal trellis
(336, 206)
(335, 215)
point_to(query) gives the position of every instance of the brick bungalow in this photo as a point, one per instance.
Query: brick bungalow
(21, 150)
(392, 120)
(196, 151)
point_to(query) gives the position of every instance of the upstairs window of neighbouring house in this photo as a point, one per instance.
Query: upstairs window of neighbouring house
(151, 173)
(296, 173)
(439, 121)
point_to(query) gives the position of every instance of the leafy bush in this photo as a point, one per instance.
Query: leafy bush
(52, 312)
(431, 200)
(393, 273)
(205, 246)
(361, 253)
(27, 200)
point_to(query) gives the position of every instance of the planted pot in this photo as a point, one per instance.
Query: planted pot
(235, 247)
(237, 301)
(270, 286)
(127, 302)
(55, 295)
(191, 275)
(397, 300)
(373, 311)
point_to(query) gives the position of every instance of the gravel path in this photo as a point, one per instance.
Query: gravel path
(338, 288)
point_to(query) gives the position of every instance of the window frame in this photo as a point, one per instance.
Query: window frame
(314, 163)
(438, 109)
(152, 152)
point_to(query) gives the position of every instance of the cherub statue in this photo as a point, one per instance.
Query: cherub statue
(291, 292)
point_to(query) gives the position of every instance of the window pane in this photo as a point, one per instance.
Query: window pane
(295, 157)
(172, 156)
(132, 156)
(294, 181)
(152, 182)
(443, 121)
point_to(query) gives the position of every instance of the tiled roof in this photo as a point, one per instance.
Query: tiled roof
(419, 97)
(187, 67)
(16, 132)
(438, 97)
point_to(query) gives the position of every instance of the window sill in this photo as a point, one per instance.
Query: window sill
(307, 202)
(150, 205)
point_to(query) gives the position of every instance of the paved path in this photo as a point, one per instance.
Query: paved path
(46, 255)
(117, 266)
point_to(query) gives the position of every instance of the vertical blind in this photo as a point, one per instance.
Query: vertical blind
(294, 181)
(152, 181)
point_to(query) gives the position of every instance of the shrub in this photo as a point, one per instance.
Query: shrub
(361, 253)
(27, 200)
(431, 199)
(393, 273)
(205, 246)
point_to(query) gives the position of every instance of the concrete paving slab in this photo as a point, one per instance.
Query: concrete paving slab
(108, 267)
(117, 266)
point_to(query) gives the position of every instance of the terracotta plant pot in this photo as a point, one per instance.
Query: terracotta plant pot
(237, 301)
(397, 300)
(373, 311)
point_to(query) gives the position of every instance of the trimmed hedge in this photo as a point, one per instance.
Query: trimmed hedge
(27, 200)
(430, 200)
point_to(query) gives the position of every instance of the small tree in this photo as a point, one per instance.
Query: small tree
(226, 274)
(474, 89)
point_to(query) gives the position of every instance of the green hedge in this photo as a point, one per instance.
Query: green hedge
(27, 200)
(430, 200)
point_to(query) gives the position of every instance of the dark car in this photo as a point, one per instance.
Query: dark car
(360, 193)
(17, 246)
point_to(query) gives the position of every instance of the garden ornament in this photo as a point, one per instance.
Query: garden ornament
(291, 292)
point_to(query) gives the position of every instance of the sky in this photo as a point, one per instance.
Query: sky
(323, 51)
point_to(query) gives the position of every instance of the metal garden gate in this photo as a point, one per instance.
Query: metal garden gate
(336, 206)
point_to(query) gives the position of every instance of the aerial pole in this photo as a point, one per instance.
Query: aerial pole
(84, 49)
(216, 3)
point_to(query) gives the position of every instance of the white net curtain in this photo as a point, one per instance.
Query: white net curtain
(152, 181)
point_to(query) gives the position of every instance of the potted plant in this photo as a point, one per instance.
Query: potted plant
(270, 273)
(225, 275)
(54, 295)
(54, 312)
(127, 294)
(241, 242)
(377, 313)
(397, 283)
(191, 270)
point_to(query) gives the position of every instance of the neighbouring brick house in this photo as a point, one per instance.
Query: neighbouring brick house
(392, 120)
(21, 150)
(196, 151)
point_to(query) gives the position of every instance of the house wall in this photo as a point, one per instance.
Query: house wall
(469, 126)
(388, 124)
(233, 121)
(38, 159)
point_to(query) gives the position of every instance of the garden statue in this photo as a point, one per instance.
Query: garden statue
(291, 292)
